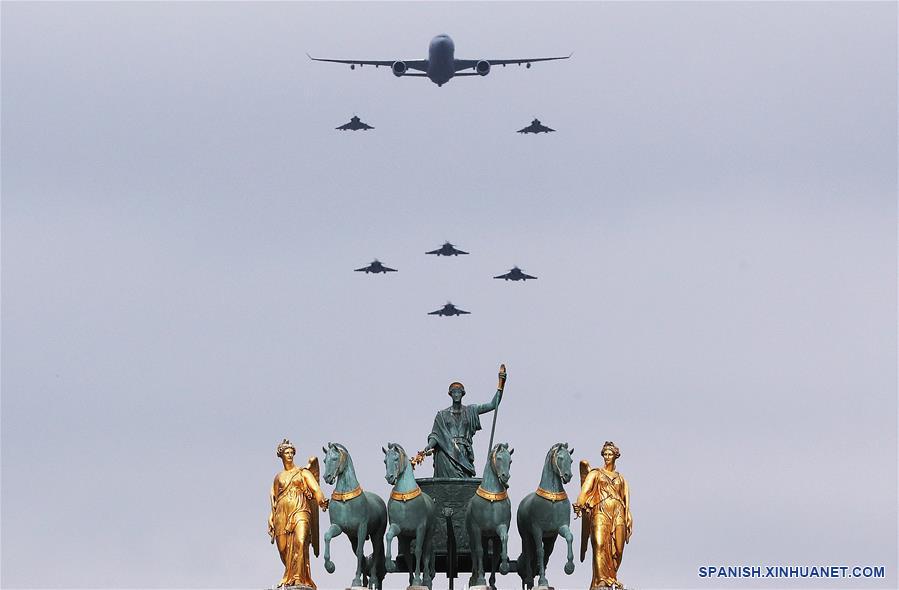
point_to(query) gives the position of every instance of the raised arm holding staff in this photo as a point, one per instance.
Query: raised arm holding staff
(452, 434)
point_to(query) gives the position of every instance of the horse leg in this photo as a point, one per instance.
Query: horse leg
(548, 544)
(361, 533)
(427, 572)
(354, 544)
(375, 572)
(477, 556)
(332, 532)
(503, 532)
(493, 559)
(419, 543)
(525, 562)
(537, 535)
(493, 552)
(392, 531)
(565, 533)
(405, 549)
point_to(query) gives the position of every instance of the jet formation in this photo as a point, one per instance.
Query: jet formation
(441, 65)
(355, 124)
(515, 274)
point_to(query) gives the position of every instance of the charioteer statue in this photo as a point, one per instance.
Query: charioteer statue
(451, 437)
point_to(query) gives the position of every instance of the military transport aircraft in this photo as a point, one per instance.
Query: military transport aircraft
(354, 125)
(535, 127)
(448, 310)
(446, 249)
(441, 65)
(515, 275)
(375, 267)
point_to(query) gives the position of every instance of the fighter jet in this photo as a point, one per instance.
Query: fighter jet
(354, 125)
(446, 249)
(515, 275)
(448, 310)
(441, 65)
(535, 127)
(375, 267)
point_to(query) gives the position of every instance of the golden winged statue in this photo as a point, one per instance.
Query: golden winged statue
(604, 502)
(293, 522)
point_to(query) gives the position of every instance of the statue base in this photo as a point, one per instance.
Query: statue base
(479, 588)
(417, 588)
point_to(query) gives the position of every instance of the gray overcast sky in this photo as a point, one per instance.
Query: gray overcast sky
(713, 225)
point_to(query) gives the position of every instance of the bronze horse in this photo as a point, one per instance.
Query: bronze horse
(412, 517)
(489, 513)
(359, 514)
(543, 515)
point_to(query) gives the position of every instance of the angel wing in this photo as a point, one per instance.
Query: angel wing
(314, 468)
(586, 519)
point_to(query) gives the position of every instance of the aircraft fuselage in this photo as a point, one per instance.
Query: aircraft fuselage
(441, 60)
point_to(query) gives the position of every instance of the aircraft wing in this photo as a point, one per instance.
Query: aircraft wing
(413, 64)
(506, 276)
(465, 64)
(544, 128)
(437, 251)
(367, 126)
(364, 269)
(344, 127)
(461, 311)
(524, 276)
(438, 312)
(386, 269)
(528, 129)
(458, 251)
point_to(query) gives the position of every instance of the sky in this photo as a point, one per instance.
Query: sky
(713, 226)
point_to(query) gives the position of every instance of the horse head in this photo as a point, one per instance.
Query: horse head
(559, 459)
(395, 462)
(336, 457)
(501, 461)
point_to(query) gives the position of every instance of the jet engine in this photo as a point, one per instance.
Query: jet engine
(399, 68)
(482, 67)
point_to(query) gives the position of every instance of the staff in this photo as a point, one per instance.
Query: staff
(499, 386)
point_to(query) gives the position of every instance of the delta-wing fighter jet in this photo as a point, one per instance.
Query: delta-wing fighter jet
(375, 267)
(441, 65)
(536, 127)
(354, 125)
(446, 249)
(449, 310)
(515, 275)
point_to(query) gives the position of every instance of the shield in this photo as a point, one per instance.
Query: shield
(586, 519)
